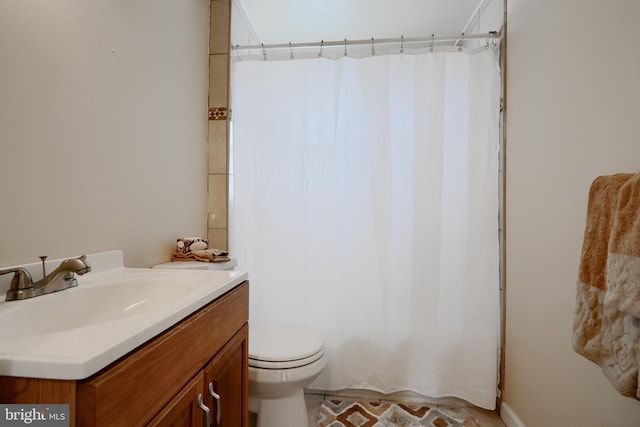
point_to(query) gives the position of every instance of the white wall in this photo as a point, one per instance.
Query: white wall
(102, 149)
(242, 31)
(573, 114)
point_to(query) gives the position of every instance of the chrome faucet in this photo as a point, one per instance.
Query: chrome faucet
(22, 286)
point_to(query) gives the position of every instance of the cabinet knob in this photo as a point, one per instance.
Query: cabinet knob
(205, 409)
(216, 396)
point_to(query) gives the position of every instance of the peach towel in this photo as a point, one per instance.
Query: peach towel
(606, 328)
(205, 255)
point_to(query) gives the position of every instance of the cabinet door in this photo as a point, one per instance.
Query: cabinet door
(226, 382)
(184, 410)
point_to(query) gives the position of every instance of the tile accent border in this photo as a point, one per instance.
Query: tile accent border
(219, 113)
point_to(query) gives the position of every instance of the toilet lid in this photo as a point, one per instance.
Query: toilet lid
(283, 343)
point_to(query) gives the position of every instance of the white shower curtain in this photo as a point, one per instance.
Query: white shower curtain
(365, 205)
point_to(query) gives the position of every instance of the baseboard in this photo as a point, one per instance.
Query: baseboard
(509, 416)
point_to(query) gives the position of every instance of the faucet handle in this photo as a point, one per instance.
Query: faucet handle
(43, 258)
(21, 278)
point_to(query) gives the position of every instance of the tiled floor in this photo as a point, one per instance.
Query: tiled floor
(486, 418)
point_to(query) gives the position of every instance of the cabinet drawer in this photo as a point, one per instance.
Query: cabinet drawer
(135, 388)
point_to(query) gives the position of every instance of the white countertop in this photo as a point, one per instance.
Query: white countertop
(72, 334)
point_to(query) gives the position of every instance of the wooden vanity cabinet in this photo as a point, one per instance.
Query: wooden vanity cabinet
(226, 376)
(221, 387)
(184, 409)
(159, 383)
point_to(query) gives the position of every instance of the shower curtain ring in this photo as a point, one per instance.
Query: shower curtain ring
(321, 48)
(433, 36)
(373, 49)
(264, 52)
(494, 38)
(238, 53)
(461, 43)
(401, 44)
(290, 51)
(345, 47)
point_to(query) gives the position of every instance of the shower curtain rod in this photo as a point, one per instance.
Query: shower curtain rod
(458, 38)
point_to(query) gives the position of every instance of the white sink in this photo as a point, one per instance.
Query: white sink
(85, 306)
(74, 333)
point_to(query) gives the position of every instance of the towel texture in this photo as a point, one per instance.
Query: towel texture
(623, 270)
(606, 327)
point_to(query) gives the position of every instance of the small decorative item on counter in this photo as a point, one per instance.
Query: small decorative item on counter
(188, 244)
(197, 249)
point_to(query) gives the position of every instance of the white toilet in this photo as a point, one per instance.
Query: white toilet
(283, 360)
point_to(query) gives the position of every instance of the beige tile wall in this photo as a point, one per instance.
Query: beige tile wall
(218, 169)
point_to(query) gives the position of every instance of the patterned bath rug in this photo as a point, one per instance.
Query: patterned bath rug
(348, 413)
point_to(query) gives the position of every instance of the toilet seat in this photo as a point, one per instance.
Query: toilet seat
(283, 347)
(289, 364)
